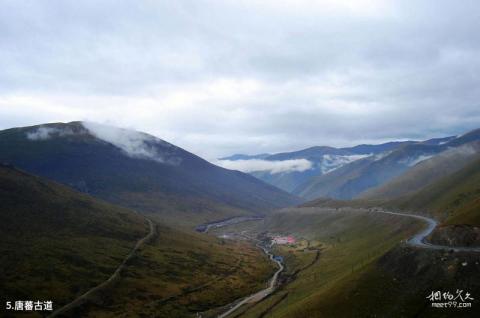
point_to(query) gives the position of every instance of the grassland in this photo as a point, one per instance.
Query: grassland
(397, 285)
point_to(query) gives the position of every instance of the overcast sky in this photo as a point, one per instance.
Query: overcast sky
(223, 77)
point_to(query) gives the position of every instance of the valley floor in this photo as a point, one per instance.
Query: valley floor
(356, 263)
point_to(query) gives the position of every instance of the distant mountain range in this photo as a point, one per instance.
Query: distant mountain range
(320, 160)
(368, 171)
(138, 171)
(353, 180)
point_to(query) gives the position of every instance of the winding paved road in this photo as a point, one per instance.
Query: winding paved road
(419, 238)
(84, 297)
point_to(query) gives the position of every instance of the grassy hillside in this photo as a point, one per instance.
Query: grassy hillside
(57, 243)
(426, 172)
(397, 285)
(455, 199)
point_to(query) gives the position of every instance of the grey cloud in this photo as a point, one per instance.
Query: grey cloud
(307, 73)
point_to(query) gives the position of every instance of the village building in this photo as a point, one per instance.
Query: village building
(282, 240)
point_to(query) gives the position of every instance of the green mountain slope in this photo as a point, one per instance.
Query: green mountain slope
(455, 199)
(396, 285)
(56, 242)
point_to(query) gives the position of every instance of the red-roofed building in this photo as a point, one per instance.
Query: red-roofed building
(281, 240)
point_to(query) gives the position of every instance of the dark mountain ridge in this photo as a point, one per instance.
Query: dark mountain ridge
(135, 169)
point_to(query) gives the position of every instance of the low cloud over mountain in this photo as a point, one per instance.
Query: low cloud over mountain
(273, 167)
(134, 143)
(44, 133)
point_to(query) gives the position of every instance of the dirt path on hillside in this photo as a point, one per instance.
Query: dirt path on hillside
(116, 275)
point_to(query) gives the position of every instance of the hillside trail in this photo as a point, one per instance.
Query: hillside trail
(84, 297)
